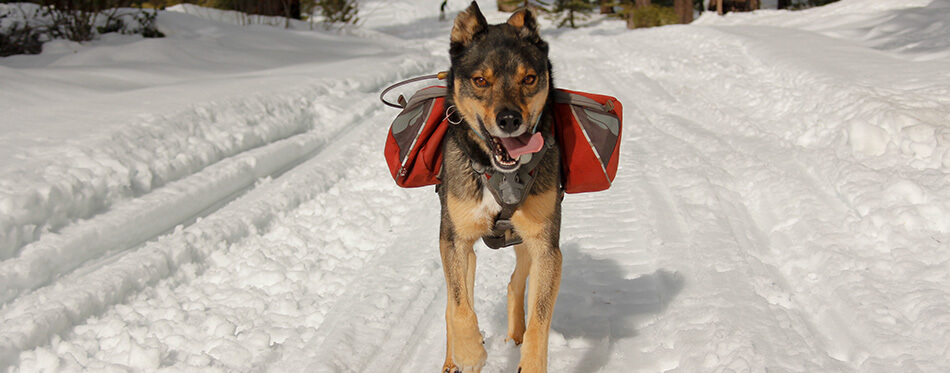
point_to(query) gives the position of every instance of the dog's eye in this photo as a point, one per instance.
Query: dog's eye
(529, 80)
(481, 82)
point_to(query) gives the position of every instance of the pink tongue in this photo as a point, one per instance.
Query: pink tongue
(524, 144)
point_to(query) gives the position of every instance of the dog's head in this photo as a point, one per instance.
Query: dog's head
(500, 82)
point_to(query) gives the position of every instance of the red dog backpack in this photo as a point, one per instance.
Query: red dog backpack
(587, 129)
(414, 145)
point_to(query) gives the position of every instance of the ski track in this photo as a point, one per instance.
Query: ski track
(701, 257)
(90, 248)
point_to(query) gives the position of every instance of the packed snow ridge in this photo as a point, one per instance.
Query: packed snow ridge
(217, 200)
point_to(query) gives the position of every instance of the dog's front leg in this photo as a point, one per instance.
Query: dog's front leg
(544, 280)
(539, 221)
(464, 350)
(516, 294)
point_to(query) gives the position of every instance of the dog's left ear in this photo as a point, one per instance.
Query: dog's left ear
(524, 19)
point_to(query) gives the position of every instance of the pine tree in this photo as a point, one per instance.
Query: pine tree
(513, 5)
(569, 11)
(338, 11)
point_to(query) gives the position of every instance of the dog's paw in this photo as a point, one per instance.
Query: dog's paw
(531, 364)
(450, 368)
(468, 350)
(473, 369)
(516, 336)
(470, 360)
(531, 368)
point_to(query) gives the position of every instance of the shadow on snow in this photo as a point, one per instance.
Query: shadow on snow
(599, 304)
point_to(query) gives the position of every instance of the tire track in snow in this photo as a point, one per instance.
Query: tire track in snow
(383, 318)
(149, 216)
(115, 278)
(180, 201)
(723, 257)
(713, 167)
(790, 204)
(786, 204)
(326, 237)
(108, 171)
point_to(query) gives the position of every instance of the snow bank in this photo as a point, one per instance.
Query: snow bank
(114, 141)
(889, 110)
(914, 29)
(383, 14)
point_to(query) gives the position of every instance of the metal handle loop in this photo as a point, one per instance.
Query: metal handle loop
(401, 101)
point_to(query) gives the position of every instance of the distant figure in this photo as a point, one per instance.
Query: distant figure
(442, 10)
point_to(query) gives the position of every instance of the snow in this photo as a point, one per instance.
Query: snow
(217, 200)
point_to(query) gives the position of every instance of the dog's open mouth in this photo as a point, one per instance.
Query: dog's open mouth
(507, 150)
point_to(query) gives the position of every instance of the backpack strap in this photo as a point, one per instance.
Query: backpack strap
(564, 97)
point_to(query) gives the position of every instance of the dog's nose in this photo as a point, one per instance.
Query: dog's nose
(508, 120)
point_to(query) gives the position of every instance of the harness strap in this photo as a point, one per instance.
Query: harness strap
(510, 191)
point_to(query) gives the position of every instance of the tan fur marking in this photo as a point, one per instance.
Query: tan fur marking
(522, 71)
(517, 19)
(516, 286)
(470, 218)
(488, 104)
(464, 347)
(535, 106)
(470, 108)
(544, 283)
(534, 356)
(486, 73)
(533, 218)
(533, 222)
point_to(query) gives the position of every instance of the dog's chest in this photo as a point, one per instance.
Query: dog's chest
(488, 208)
(473, 218)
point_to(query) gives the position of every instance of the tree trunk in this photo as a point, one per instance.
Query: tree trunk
(507, 7)
(605, 8)
(642, 3)
(719, 9)
(684, 10)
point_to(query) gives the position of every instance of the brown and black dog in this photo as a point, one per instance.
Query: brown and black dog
(501, 89)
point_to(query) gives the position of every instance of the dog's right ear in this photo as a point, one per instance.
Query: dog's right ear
(524, 19)
(467, 24)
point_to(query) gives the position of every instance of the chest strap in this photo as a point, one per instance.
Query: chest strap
(510, 191)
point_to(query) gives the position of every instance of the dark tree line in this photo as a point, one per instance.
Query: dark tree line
(643, 13)
(26, 26)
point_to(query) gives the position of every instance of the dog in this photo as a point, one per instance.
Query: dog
(500, 94)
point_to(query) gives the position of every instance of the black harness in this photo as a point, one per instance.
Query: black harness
(510, 191)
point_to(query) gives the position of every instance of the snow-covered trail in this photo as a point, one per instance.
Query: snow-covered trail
(782, 204)
(94, 264)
